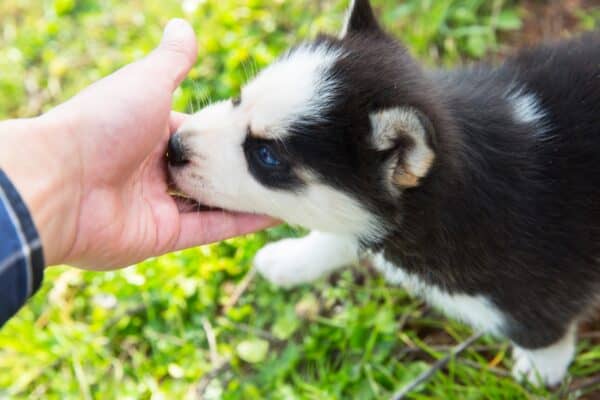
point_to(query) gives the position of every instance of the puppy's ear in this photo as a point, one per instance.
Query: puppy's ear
(360, 18)
(410, 135)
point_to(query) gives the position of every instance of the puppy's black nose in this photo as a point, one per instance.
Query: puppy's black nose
(176, 152)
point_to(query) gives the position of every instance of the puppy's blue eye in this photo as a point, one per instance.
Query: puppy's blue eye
(267, 157)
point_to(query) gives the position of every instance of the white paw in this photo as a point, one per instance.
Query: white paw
(530, 367)
(287, 263)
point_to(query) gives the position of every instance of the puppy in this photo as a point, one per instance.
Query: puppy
(477, 189)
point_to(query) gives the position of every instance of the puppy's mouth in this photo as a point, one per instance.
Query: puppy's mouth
(187, 204)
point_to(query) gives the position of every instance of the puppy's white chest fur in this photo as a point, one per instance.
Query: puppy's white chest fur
(476, 311)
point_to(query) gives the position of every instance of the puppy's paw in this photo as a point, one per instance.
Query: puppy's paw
(287, 263)
(523, 369)
(539, 369)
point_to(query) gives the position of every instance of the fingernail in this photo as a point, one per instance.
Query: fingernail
(176, 29)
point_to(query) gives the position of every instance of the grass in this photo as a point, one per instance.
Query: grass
(180, 326)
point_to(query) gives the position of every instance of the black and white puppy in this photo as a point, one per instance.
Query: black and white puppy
(477, 188)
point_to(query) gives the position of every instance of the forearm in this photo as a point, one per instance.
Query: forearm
(37, 157)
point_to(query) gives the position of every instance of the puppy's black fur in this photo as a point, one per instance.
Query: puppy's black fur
(519, 219)
(510, 208)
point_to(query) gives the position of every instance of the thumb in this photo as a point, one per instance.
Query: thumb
(177, 52)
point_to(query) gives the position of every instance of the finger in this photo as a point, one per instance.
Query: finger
(175, 120)
(177, 52)
(208, 227)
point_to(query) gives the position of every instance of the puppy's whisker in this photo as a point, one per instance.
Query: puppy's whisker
(205, 100)
(196, 93)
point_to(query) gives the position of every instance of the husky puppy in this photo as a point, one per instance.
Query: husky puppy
(477, 189)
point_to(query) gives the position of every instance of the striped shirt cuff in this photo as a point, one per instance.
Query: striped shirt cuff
(21, 255)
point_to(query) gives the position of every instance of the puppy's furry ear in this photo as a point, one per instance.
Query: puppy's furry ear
(360, 18)
(410, 134)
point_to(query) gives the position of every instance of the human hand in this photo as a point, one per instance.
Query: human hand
(93, 174)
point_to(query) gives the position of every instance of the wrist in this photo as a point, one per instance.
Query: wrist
(37, 156)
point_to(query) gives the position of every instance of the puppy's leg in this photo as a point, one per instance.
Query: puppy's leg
(295, 261)
(548, 364)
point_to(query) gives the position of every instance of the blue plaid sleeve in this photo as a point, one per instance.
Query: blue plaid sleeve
(21, 257)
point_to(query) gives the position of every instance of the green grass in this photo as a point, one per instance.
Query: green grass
(166, 328)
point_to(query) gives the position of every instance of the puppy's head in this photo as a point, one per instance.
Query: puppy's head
(328, 137)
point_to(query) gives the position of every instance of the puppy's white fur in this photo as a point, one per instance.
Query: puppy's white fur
(273, 100)
(526, 108)
(548, 365)
(477, 311)
(296, 261)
